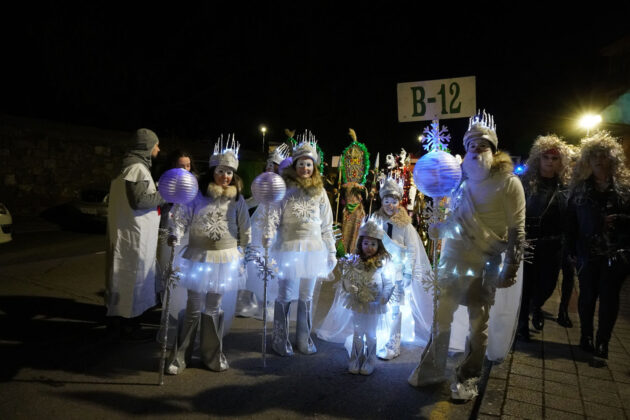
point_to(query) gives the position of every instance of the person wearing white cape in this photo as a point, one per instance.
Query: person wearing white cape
(480, 260)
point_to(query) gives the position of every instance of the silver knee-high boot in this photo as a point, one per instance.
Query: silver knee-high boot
(246, 304)
(211, 337)
(182, 351)
(356, 354)
(432, 366)
(280, 339)
(305, 343)
(368, 365)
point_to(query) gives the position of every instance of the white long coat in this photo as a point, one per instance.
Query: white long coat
(133, 236)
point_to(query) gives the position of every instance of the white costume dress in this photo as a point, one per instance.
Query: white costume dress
(415, 314)
(302, 249)
(133, 236)
(485, 226)
(211, 268)
(366, 291)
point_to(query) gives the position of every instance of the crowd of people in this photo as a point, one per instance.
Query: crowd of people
(505, 241)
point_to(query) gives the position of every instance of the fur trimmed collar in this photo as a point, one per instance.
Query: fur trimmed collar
(400, 219)
(215, 191)
(311, 186)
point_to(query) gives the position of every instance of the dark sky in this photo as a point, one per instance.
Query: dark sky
(199, 71)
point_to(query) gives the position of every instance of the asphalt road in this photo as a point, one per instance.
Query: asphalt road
(59, 363)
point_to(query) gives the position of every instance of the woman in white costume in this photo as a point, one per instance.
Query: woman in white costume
(211, 265)
(304, 247)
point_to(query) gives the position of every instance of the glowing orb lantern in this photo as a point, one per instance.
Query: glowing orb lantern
(268, 188)
(178, 186)
(437, 173)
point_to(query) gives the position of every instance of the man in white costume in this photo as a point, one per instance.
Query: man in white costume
(486, 223)
(132, 230)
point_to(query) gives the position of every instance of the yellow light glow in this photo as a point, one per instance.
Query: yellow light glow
(589, 121)
(263, 129)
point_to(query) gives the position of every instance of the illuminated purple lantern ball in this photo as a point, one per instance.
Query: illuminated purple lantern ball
(268, 187)
(178, 186)
(437, 174)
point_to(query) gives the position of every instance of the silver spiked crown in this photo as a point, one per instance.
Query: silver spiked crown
(481, 126)
(306, 147)
(391, 186)
(372, 227)
(225, 154)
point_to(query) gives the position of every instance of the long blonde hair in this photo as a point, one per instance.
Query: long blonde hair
(601, 142)
(541, 145)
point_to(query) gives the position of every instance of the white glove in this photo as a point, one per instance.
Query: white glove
(332, 261)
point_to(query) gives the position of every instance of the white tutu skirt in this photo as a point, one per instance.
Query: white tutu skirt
(296, 265)
(212, 271)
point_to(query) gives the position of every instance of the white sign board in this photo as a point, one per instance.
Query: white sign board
(436, 99)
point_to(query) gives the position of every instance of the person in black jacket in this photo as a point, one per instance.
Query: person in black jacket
(598, 230)
(544, 183)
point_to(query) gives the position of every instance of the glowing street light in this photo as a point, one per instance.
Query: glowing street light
(589, 121)
(263, 130)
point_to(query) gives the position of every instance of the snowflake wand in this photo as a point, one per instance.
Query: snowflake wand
(436, 174)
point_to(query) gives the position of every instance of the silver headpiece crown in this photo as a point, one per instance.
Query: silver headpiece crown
(372, 227)
(226, 155)
(481, 126)
(279, 154)
(391, 186)
(306, 147)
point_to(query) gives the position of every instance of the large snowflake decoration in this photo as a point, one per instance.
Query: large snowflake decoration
(214, 224)
(436, 138)
(304, 210)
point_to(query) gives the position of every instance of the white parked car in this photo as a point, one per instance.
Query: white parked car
(6, 224)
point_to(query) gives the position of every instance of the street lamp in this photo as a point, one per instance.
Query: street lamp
(589, 121)
(263, 130)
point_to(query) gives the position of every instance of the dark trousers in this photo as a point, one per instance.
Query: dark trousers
(540, 277)
(568, 279)
(599, 279)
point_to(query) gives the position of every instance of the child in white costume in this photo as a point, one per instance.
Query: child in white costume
(304, 247)
(367, 282)
(211, 265)
(409, 318)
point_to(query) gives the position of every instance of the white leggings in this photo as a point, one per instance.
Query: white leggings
(289, 290)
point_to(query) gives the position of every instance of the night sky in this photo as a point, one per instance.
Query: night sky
(199, 71)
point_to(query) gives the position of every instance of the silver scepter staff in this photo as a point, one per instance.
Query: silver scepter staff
(176, 186)
(267, 188)
(170, 277)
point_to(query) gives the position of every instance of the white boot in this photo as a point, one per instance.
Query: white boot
(356, 354)
(305, 343)
(212, 342)
(280, 338)
(392, 348)
(368, 365)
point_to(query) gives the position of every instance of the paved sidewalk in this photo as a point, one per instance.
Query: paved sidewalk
(551, 378)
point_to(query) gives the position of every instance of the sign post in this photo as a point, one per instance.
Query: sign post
(436, 99)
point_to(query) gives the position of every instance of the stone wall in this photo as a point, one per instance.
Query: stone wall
(44, 163)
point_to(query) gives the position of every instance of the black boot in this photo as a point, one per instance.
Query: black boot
(522, 331)
(586, 343)
(563, 318)
(601, 349)
(538, 321)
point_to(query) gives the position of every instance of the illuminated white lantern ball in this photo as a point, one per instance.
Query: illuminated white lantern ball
(178, 186)
(268, 187)
(437, 173)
